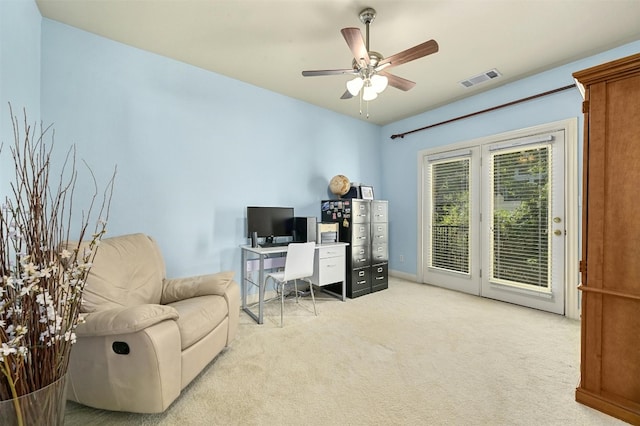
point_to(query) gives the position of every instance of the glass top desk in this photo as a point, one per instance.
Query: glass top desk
(329, 267)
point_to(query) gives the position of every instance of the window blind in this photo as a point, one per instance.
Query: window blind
(449, 239)
(520, 223)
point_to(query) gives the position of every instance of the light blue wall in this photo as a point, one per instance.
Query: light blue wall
(193, 148)
(19, 71)
(400, 170)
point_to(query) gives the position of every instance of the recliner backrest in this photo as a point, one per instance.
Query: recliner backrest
(128, 270)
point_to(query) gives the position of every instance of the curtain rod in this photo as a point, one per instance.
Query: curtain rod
(539, 95)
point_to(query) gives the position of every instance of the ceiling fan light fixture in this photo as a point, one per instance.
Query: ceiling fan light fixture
(354, 86)
(379, 82)
(369, 93)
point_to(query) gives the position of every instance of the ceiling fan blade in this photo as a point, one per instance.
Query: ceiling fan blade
(346, 95)
(316, 73)
(415, 52)
(398, 82)
(354, 39)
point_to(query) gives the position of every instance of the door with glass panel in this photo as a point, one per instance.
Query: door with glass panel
(451, 225)
(494, 220)
(523, 221)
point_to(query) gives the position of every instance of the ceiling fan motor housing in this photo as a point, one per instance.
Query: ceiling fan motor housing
(374, 60)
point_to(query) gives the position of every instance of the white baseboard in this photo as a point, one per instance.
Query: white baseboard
(403, 275)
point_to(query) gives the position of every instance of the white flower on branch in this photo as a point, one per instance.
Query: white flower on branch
(7, 350)
(8, 281)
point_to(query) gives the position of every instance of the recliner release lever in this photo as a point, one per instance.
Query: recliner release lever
(121, 348)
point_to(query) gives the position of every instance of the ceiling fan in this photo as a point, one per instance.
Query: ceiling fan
(369, 67)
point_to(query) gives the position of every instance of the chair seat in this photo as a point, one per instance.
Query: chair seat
(279, 276)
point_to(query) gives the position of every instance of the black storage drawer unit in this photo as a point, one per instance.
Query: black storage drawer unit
(360, 282)
(364, 225)
(379, 277)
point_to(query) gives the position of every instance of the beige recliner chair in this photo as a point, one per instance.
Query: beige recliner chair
(146, 337)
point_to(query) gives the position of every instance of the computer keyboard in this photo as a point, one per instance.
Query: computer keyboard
(278, 244)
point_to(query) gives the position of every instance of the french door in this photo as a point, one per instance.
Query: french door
(523, 222)
(494, 220)
(452, 210)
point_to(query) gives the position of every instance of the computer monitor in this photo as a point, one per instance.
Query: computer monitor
(269, 222)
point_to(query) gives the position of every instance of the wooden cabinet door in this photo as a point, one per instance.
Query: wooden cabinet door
(610, 363)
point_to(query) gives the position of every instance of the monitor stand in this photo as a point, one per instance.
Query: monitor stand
(269, 240)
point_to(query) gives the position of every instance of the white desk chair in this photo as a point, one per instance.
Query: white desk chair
(298, 266)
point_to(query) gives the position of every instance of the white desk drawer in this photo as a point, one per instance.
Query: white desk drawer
(325, 252)
(329, 266)
(331, 270)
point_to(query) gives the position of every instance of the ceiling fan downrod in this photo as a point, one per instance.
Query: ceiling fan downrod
(366, 17)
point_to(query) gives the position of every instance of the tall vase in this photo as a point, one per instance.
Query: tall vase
(44, 407)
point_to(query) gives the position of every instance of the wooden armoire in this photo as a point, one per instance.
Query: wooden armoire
(610, 266)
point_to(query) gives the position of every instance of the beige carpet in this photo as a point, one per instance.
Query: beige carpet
(409, 355)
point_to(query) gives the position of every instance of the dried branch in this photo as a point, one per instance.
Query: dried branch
(41, 282)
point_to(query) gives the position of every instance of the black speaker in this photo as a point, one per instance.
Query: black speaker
(304, 229)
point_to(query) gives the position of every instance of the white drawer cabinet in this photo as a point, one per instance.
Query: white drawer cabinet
(329, 265)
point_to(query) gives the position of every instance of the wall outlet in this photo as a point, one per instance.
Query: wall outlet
(402, 258)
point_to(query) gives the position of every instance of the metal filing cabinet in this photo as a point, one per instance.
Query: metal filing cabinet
(379, 245)
(364, 225)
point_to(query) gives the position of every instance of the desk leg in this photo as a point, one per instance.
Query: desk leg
(243, 280)
(344, 290)
(261, 285)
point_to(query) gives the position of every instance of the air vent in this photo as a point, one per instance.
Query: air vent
(481, 78)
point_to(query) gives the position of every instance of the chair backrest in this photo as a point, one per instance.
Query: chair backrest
(128, 270)
(299, 262)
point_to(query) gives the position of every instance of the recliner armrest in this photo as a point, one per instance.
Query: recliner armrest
(123, 320)
(177, 289)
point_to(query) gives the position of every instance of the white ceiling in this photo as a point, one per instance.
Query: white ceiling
(268, 43)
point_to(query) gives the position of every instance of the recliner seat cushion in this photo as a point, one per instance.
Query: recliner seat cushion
(198, 317)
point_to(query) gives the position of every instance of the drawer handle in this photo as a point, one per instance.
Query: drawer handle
(380, 269)
(379, 278)
(361, 274)
(362, 282)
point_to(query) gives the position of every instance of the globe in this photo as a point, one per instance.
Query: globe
(339, 185)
